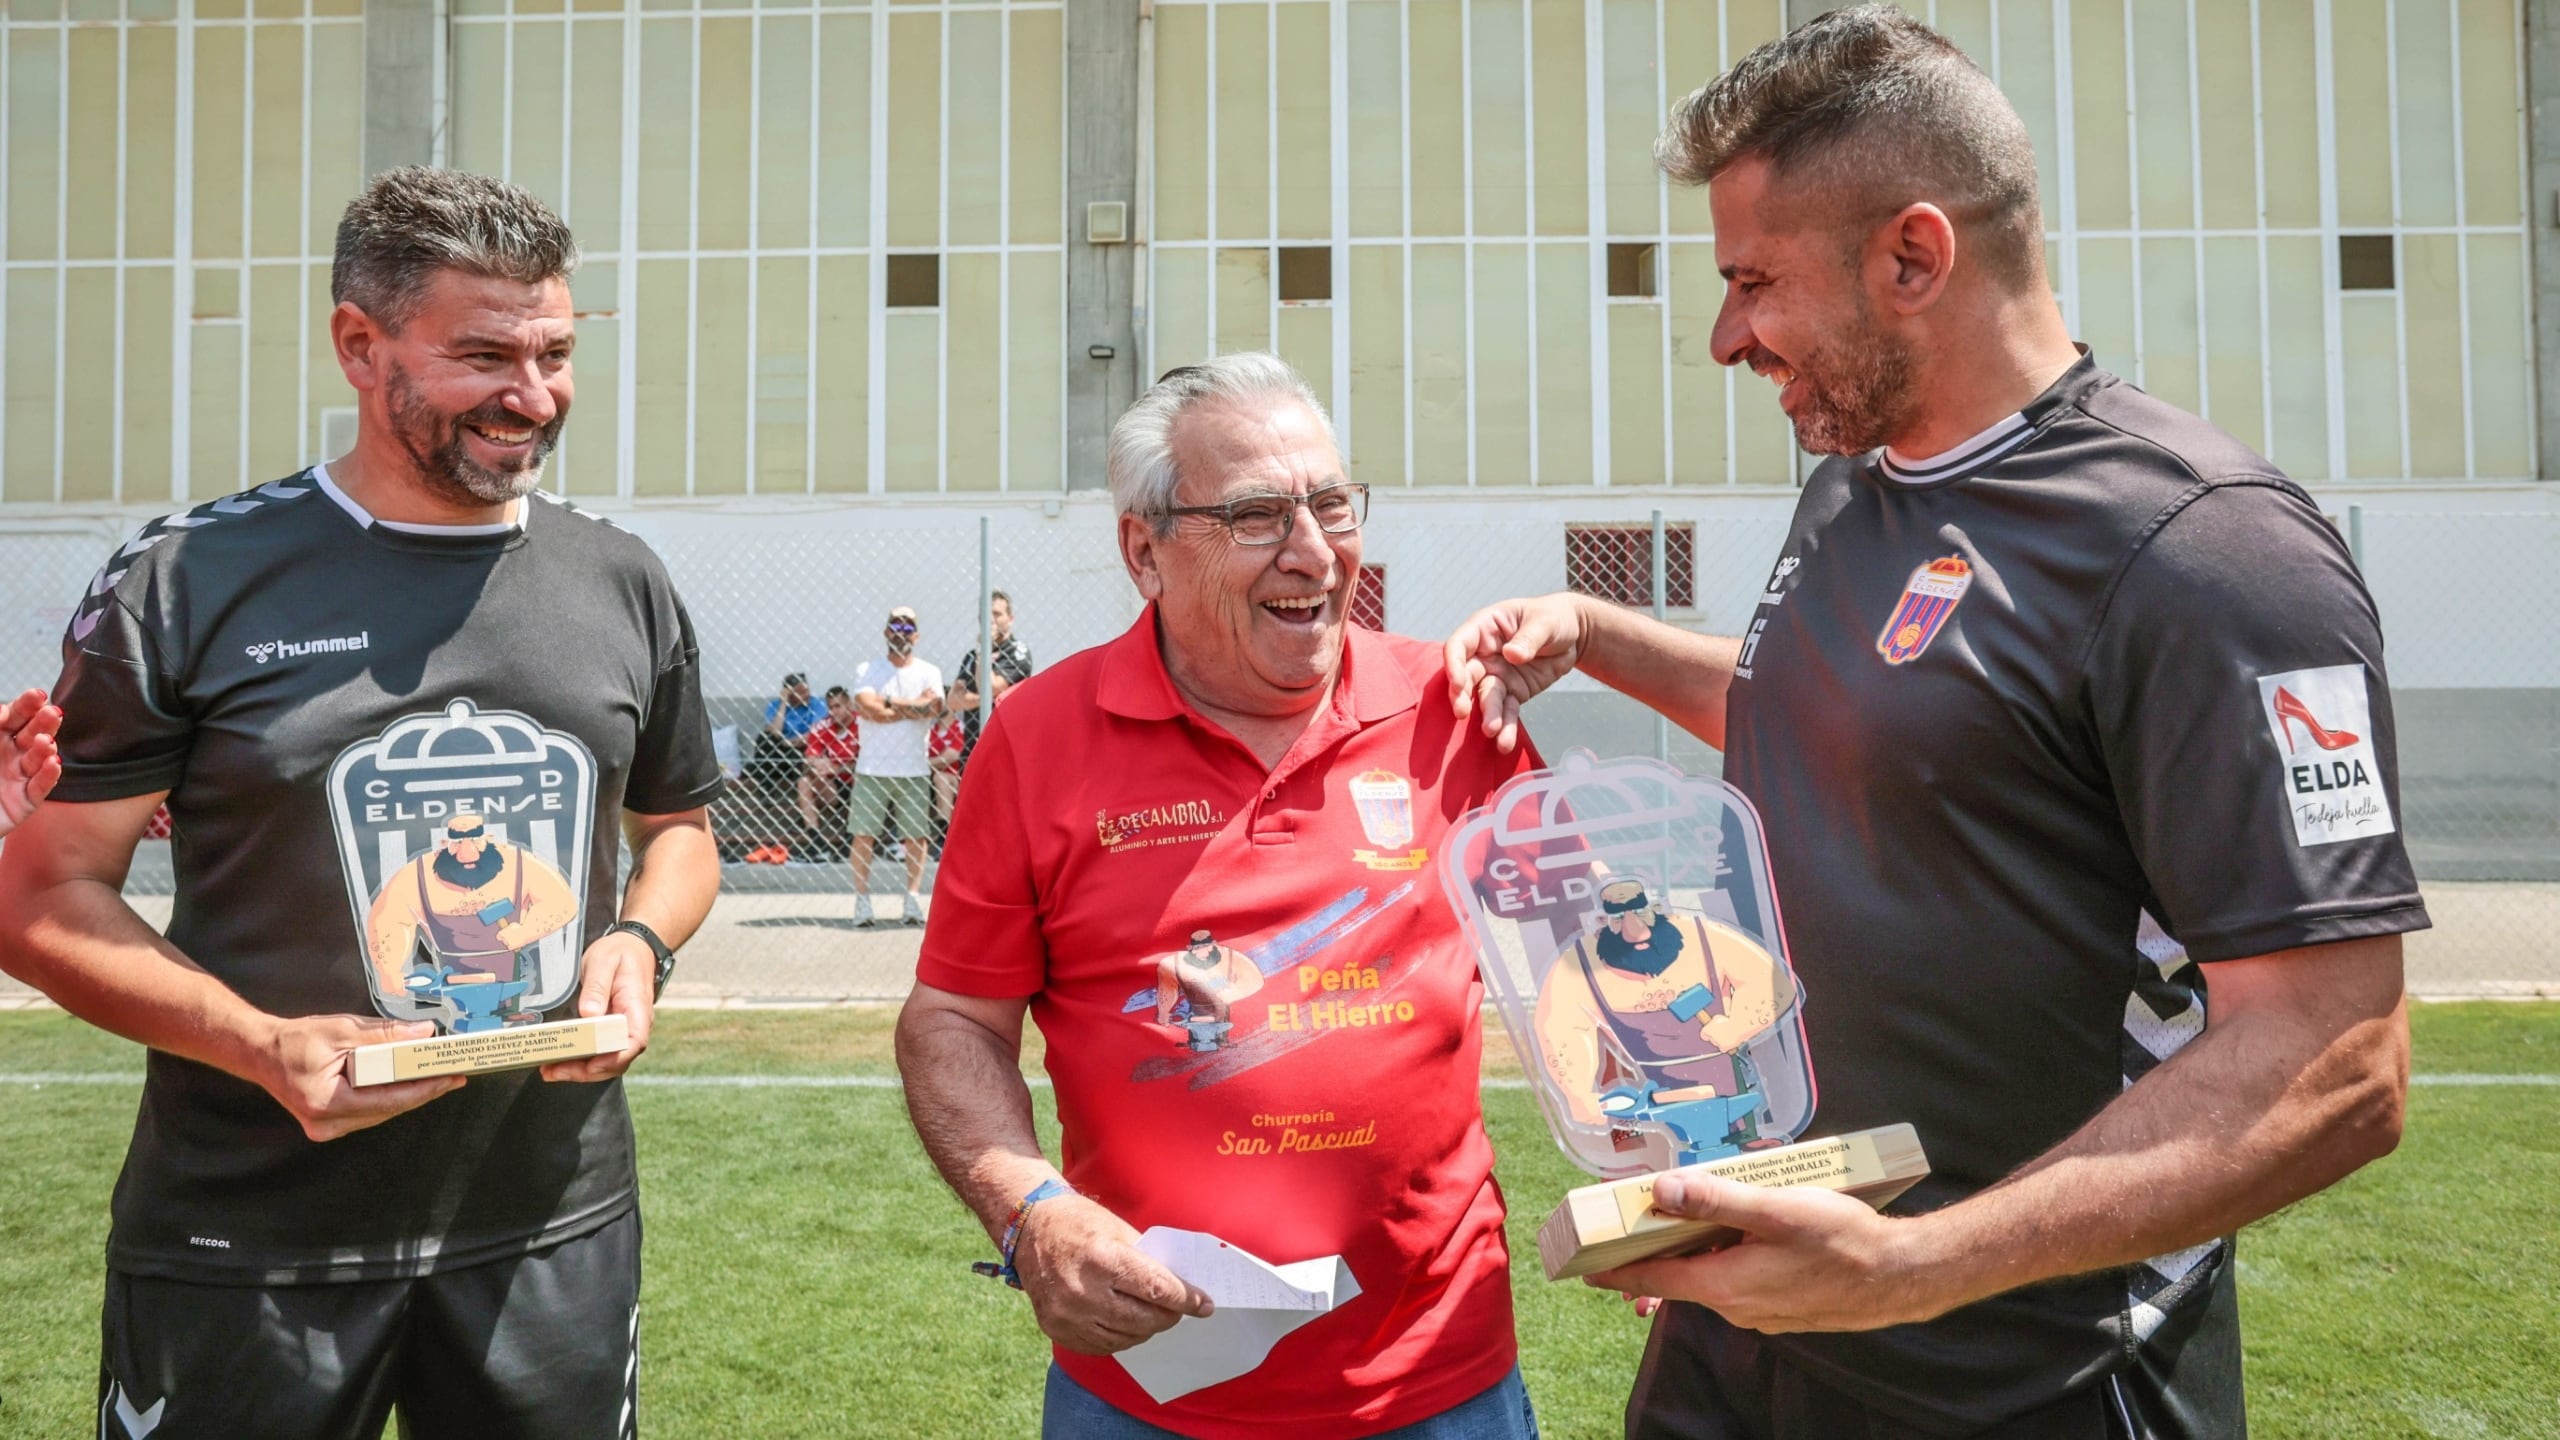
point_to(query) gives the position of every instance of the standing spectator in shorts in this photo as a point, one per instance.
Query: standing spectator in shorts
(826, 766)
(1012, 667)
(898, 697)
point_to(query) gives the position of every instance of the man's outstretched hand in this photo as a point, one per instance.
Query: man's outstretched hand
(30, 761)
(1505, 654)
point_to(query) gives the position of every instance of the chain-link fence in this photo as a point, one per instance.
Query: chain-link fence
(793, 865)
(2470, 602)
(2470, 606)
(808, 853)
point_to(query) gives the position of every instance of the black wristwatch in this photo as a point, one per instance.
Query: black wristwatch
(657, 947)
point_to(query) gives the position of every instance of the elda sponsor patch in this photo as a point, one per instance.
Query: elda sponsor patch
(2322, 721)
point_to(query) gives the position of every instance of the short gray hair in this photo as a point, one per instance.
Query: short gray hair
(1141, 454)
(1866, 110)
(413, 221)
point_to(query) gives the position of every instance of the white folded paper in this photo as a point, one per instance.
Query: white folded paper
(1255, 1304)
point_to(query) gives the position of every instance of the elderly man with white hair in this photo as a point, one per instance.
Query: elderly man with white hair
(1243, 764)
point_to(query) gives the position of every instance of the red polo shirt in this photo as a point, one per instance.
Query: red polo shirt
(1336, 1111)
(830, 741)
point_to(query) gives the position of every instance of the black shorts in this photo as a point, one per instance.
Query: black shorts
(1703, 1379)
(542, 1346)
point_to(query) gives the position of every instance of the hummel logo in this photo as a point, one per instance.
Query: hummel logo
(1772, 595)
(268, 650)
(137, 1424)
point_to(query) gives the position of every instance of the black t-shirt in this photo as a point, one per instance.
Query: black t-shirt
(1013, 662)
(2033, 730)
(321, 694)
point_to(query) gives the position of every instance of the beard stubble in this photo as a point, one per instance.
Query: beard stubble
(1861, 387)
(442, 457)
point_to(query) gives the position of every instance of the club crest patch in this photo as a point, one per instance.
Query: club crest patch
(1384, 801)
(1928, 599)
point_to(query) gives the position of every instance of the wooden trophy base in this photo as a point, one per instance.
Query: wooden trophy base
(517, 1047)
(1599, 1227)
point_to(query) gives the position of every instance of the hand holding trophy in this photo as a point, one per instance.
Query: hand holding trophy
(1628, 931)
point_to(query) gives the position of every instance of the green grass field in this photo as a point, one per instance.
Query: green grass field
(807, 1274)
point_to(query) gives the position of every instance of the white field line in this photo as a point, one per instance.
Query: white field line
(1038, 1082)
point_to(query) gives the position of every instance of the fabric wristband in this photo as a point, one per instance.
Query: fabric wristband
(1045, 1190)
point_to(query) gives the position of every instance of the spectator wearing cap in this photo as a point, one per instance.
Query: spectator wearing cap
(898, 698)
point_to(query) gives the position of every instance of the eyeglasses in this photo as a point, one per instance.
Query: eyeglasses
(1266, 519)
(902, 627)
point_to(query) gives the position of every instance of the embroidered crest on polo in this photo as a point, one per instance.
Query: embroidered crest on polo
(1384, 801)
(1928, 598)
(2322, 721)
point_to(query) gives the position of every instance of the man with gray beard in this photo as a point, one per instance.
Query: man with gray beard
(325, 678)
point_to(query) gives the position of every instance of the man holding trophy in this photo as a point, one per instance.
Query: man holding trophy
(403, 712)
(2026, 708)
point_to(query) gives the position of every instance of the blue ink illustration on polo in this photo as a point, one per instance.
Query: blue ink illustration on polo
(1229, 1005)
(1228, 1009)
(1225, 1003)
(463, 836)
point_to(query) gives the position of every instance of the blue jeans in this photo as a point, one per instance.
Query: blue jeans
(1071, 1412)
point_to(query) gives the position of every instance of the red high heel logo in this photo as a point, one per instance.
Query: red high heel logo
(2289, 709)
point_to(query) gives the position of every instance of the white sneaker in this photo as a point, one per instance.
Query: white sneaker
(911, 912)
(862, 916)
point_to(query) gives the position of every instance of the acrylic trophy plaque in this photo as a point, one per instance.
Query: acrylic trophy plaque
(1625, 919)
(463, 839)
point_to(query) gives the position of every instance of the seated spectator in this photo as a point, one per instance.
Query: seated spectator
(827, 766)
(792, 714)
(944, 751)
(788, 719)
